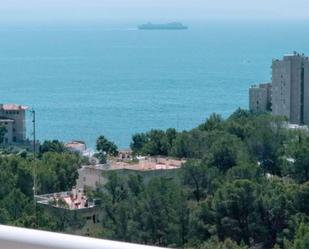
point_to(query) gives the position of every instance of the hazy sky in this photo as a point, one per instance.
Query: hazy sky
(55, 10)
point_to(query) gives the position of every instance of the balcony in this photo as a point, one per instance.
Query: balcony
(16, 238)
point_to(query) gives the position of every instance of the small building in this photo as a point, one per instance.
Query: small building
(260, 97)
(95, 176)
(79, 214)
(76, 146)
(71, 200)
(79, 147)
(13, 117)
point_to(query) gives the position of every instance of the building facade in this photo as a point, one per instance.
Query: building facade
(290, 88)
(96, 176)
(75, 210)
(13, 117)
(260, 97)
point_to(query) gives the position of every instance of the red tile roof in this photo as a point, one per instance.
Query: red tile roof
(13, 107)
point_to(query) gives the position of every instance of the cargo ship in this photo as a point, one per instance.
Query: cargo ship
(167, 26)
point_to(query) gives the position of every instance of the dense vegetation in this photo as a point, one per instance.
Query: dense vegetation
(245, 184)
(56, 171)
(105, 148)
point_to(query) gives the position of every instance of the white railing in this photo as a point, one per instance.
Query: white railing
(21, 238)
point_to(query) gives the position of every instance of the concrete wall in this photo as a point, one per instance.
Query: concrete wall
(290, 88)
(281, 85)
(90, 177)
(19, 127)
(306, 92)
(85, 222)
(260, 97)
(295, 112)
(148, 174)
(94, 178)
(8, 137)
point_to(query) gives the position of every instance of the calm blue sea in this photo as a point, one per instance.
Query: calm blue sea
(112, 79)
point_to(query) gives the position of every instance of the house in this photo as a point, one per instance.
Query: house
(75, 210)
(96, 176)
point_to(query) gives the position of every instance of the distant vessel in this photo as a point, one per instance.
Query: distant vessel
(168, 26)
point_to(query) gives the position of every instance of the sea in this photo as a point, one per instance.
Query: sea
(109, 78)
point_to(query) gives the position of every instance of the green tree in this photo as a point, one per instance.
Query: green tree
(164, 213)
(105, 148)
(240, 124)
(235, 205)
(216, 244)
(57, 172)
(171, 135)
(214, 122)
(302, 198)
(52, 146)
(116, 187)
(157, 143)
(200, 178)
(4, 216)
(181, 148)
(15, 203)
(245, 171)
(135, 184)
(202, 222)
(104, 145)
(275, 208)
(266, 142)
(225, 152)
(301, 165)
(138, 142)
(302, 237)
(199, 143)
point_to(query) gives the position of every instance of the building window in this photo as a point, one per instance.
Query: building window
(14, 139)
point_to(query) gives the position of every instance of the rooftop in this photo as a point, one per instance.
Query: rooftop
(144, 164)
(13, 107)
(76, 145)
(261, 85)
(72, 200)
(295, 54)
